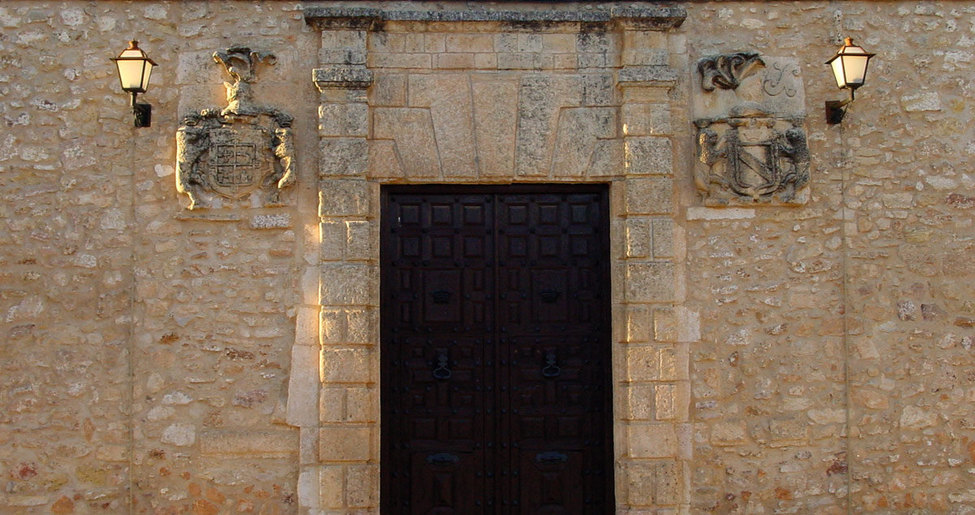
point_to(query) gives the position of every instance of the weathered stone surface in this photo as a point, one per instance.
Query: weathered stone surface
(254, 444)
(343, 157)
(345, 443)
(497, 114)
(342, 197)
(649, 156)
(650, 195)
(449, 98)
(415, 141)
(650, 282)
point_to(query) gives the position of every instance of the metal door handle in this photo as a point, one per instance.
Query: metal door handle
(551, 457)
(551, 369)
(442, 458)
(549, 296)
(442, 372)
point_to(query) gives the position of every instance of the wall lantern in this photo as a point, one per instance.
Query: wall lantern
(134, 69)
(850, 71)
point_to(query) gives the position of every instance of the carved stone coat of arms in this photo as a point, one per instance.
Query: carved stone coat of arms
(241, 153)
(751, 143)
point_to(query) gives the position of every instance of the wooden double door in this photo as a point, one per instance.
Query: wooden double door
(496, 374)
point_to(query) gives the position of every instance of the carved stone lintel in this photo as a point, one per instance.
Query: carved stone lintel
(727, 71)
(752, 158)
(244, 150)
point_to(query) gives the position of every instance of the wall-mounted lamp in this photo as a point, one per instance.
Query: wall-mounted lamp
(850, 70)
(134, 69)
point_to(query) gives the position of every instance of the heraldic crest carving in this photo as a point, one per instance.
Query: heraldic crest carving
(751, 158)
(751, 144)
(243, 152)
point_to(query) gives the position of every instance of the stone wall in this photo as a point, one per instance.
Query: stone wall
(812, 358)
(835, 363)
(146, 353)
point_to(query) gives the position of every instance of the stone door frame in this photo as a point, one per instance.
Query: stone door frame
(333, 395)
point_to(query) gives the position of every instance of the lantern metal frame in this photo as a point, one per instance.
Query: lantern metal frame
(141, 111)
(836, 109)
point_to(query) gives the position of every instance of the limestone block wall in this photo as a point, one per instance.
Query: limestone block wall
(834, 368)
(145, 350)
(807, 359)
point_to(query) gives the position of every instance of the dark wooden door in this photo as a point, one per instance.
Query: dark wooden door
(496, 384)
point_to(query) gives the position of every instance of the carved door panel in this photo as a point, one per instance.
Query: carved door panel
(495, 350)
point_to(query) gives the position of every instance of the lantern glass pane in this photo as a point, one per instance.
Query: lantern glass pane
(147, 71)
(837, 65)
(855, 69)
(131, 73)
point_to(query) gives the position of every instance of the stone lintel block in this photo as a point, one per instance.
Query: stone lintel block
(343, 119)
(250, 444)
(347, 157)
(660, 76)
(652, 282)
(344, 443)
(652, 440)
(346, 365)
(649, 195)
(342, 77)
(649, 155)
(344, 197)
(303, 385)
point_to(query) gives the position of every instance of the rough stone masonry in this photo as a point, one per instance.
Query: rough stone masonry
(772, 352)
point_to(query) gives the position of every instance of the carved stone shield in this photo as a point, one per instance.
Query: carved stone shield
(751, 159)
(238, 160)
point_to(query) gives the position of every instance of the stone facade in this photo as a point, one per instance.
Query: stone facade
(811, 354)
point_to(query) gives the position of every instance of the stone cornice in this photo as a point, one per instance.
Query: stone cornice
(365, 15)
